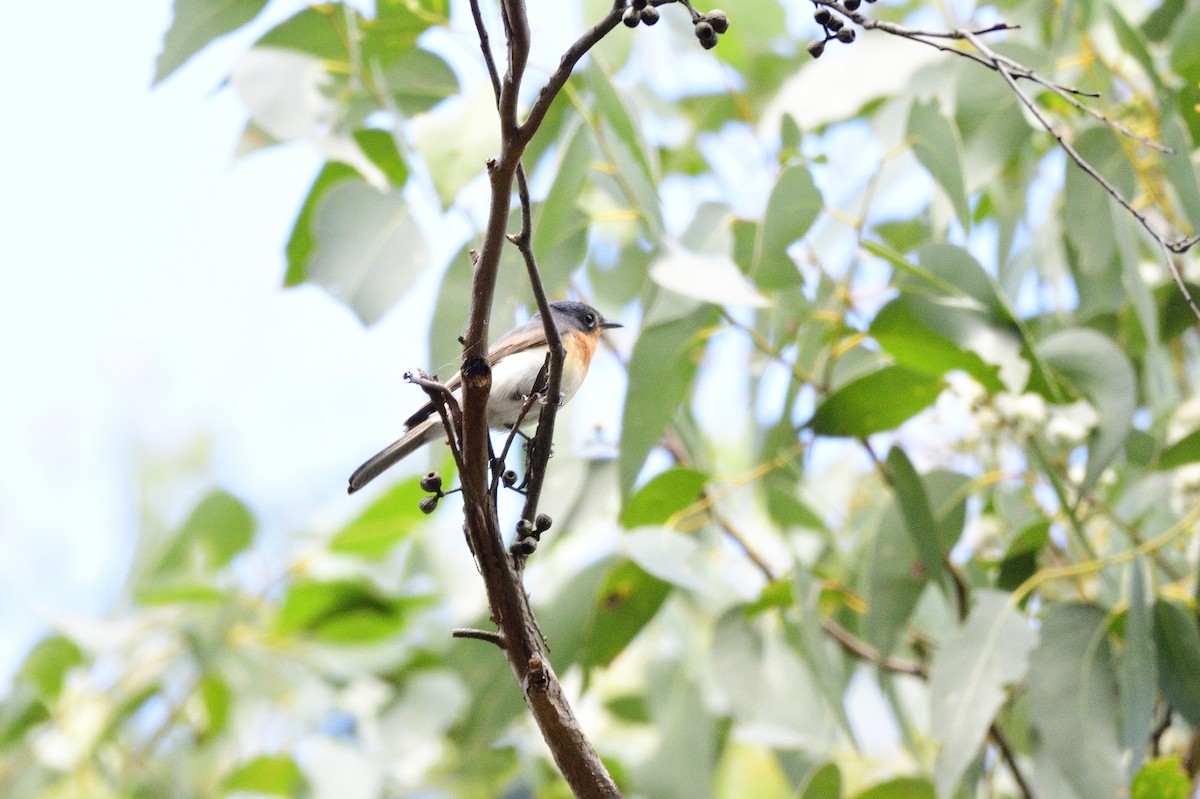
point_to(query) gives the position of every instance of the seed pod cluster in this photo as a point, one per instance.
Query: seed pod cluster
(833, 21)
(431, 483)
(640, 11)
(529, 533)
(709, 28)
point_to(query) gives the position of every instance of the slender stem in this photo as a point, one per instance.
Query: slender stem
(479, 635)
(1009, 755)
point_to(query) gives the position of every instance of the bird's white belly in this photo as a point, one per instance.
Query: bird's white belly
(512, 380)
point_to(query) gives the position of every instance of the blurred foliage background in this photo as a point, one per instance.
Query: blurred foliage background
(904, 491)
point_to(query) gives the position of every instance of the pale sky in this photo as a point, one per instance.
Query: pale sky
(149, 351)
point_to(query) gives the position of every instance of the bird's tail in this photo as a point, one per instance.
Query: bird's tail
(395, 452)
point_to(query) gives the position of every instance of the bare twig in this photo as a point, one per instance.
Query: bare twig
(543, 439)
(446, 404)
(558, 79)
(1009, 755)
(479, 635)
(498, 467)
(1012, 72)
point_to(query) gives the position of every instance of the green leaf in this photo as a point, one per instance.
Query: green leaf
(216, 699)
(771, 692)
(1177, 646)
(171, 592)
(1164, 778)
(684, 764)
(196, 23)
(936, 145)
(1020, 559)
(275, 775)
(1134, 44)
(20, 711)
(620, 138)
(1185, 49)
(1138, 673)
(900, 788)
(661, 369)
(388, 520)
(881, 400)
(418, 80)
(1089, 225)
(628, 599)
(968, 679)
(1177, 166)
(342, 611)
(397, 24)
(319, 30)
(1071, 688)
(823, 782)
(792, 208)
(456, 143)
(368, 248)
(993, 130)
(805, 634)
(662, 497)
(1185, 450)
(1098, 368)
(895, 578)
(218, 528)
(630, 708)
(917, 513)
(915, 346)
(1158, 25)
(47, 664)
(560, 226)
(302, 241)
(380, 147)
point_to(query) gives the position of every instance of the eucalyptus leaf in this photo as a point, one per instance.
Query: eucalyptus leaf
(661, 369)
(939, 150)
(1100, 370)
(1137, 675)
(878, 401)
(195, 24)
(368, 250)
(1071, 689)
(793, 206)
(968, 682)
(1177, 650)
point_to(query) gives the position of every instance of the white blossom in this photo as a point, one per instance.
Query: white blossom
(1070, 425)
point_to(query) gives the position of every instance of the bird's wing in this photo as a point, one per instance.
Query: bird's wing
(530, 334)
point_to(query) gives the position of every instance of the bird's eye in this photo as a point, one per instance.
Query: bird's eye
(590, 319)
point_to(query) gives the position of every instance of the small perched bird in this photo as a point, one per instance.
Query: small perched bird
(516, 361)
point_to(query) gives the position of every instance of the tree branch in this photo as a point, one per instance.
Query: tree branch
(566, 66)
(1013, 71)
(523, 645)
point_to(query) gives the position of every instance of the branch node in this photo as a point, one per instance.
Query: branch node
(537, 679)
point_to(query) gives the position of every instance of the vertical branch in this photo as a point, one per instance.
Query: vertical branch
(523, 646)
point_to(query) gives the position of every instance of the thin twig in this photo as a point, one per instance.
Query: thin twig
(1002, 66)
(543, 439)
(1009, 755)
(479, 635)
(1013, 71)
(446, 404)
(558, 79)
(864, 651)
(498, 467)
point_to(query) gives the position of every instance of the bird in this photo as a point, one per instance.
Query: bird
(517, 360)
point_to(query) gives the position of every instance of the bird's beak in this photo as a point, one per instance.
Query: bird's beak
(606, 324)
